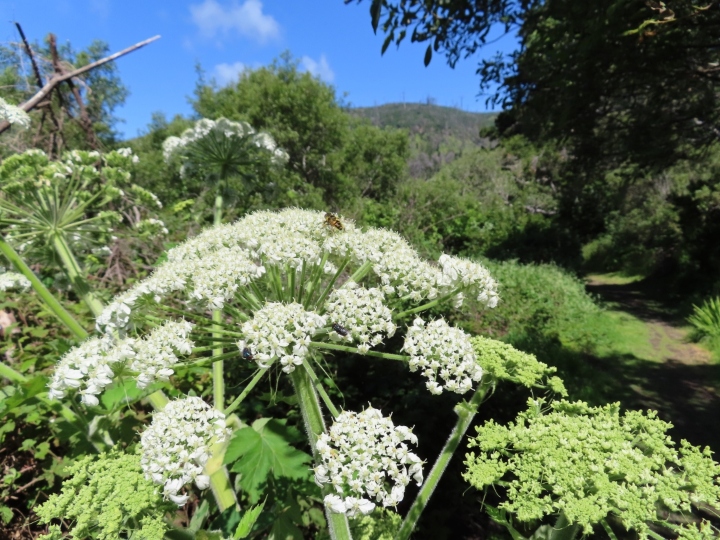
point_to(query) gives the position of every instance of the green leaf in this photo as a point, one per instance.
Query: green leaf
(387, 42)
(263, 449)
(428, 55)
(247, 521)
(209, 535)
(375, 9)
(284, 529)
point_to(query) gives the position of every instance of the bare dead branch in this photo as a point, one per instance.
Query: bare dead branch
(58, 78)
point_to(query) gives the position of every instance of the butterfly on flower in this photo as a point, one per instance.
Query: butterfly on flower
(331, 220)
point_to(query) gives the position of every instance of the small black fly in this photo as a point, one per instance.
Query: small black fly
(340, 330)
(247, 354)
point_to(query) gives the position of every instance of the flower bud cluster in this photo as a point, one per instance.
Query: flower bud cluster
(362, 313)
(157, 352)
(441, 351)
(177, 445)
(365, 459)
(91, 366)
(280, 332)
(13, 280)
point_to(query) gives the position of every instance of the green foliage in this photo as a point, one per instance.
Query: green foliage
(588, 463)
(264, 449)
(248, 520)
(706, 323)
(107, 496)
(541, 300)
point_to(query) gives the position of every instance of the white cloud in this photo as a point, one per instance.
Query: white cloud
(247, 19)
(228, 73)
(319, 68)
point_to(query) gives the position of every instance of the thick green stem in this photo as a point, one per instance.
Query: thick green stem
(466, 413)
(217, 209)
(76, 275)
(563, 529)
(45, 295)
(217, 369)
(315, 426)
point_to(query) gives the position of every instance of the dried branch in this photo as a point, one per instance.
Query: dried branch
(59, 78)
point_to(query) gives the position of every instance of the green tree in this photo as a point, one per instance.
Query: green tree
(327, 151)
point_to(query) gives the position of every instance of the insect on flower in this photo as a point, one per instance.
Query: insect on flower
(331, 220)
(247, 354)
(340, 329)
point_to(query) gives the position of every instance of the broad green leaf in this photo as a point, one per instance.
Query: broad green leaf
(285, 529)
(247, 521)
(261, 450)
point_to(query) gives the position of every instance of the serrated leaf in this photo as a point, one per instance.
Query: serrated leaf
(428, 55)
(375, 9)
(247, 521)
(263, 449)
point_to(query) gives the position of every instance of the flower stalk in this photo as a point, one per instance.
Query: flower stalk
(315, 426)
(45, 295)
(466, 412)
(76, 275)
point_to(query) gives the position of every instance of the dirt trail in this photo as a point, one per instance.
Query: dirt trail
(684, 387)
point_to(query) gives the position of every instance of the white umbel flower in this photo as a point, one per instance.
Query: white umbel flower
(472, 276)
(13, 280)
(441, 351)
(176, 446)
(365, 459)
(280, 332)
(88, 368)
(14, 115)
(156, 353)
(362, 314)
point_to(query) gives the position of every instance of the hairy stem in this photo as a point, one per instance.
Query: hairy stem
(466, 413)
(315, 426)
(76, 275)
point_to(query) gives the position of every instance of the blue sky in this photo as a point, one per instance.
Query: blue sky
(330, 39)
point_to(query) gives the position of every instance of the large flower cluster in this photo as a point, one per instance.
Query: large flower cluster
(439, 350)
(14, 115)
(13, 280)
(365, 459)
(361, 315)
(177, 445)
(221, 128)
(91, 366)
(88, 368)
(280, 332)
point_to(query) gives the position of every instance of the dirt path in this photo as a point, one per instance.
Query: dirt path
(684, 384)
